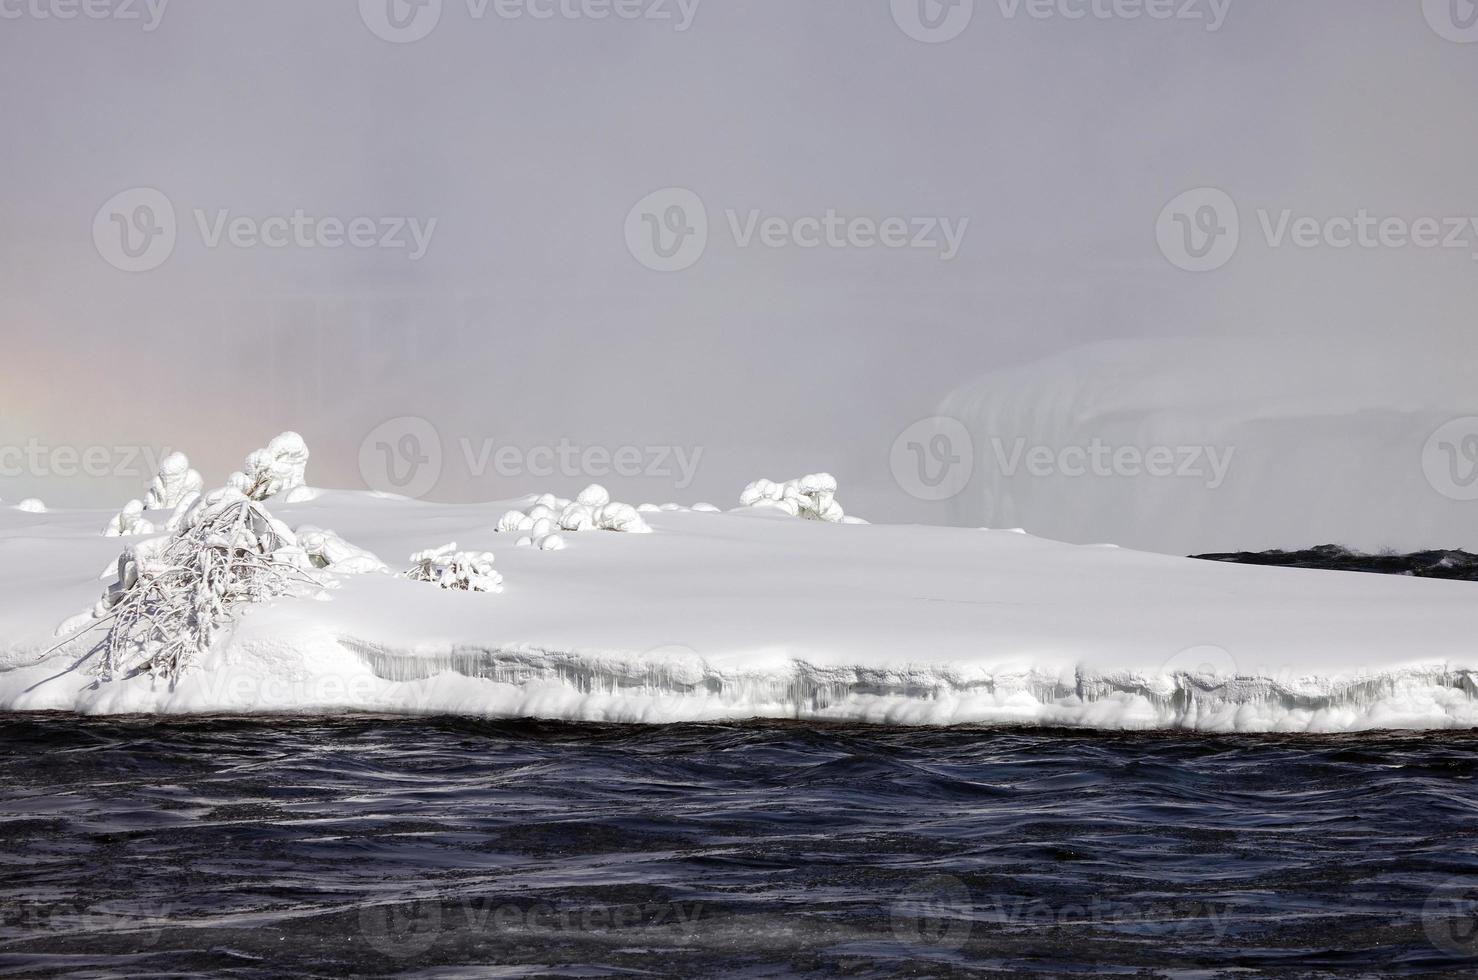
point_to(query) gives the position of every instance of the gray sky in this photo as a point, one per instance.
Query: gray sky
(529, 320)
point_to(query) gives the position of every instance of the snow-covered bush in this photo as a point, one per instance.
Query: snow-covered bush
(469, 571)
(31, 505)
(173, 483)
(325, 549)
(268, 472)
(591, 510)
(129, 521)
(173, 594)
(175, 487)
(812, 497)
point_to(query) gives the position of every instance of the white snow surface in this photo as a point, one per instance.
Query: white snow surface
(752, 613)
(1314, 446)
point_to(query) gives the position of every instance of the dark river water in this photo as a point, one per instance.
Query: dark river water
(450, 848)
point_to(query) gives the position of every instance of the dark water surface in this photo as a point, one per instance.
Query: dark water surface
(1459, 565)
(444, 848)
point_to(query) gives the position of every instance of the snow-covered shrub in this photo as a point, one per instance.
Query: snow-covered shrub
(325, 549)
(173, 594)
(31, 505)
(812, 497)
(173, 483)
(268, 472)
(129, 521)
(469, 571)
(591, 510)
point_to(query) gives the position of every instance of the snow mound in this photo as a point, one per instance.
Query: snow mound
(31, 505)
(466, 571)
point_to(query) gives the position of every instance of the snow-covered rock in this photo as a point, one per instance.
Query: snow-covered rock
(31, 505)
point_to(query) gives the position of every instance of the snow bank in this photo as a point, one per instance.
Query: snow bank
(752, 613)
(1188, 447)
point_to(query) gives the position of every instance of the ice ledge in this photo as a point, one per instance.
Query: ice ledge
(676, 685)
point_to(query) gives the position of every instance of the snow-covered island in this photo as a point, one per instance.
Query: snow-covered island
(267, 595)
